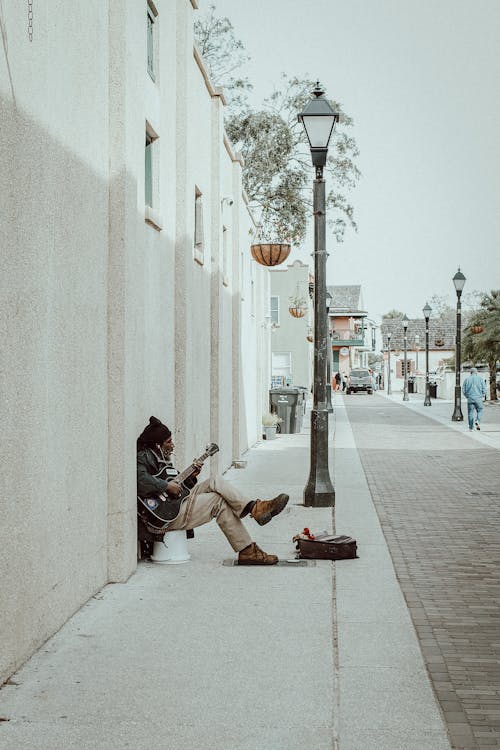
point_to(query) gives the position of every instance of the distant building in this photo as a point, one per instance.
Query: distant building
(349, 327)
(291, 320)
(441, 345)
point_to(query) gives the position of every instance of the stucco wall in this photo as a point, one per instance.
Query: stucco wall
(53, 312)
(107, 318)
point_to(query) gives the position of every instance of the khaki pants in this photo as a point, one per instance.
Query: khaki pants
(215, 498)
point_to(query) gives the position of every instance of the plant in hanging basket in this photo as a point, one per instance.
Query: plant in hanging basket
(270, 253)
(477, 329)
(298, 304)
(439, 342)
(310, 338)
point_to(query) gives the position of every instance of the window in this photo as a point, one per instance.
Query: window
(400, 367)
(151, 178)
(151, 164)
(198, 226)
(282, 364)
(275, 310)
(148, 171)
(151, 41)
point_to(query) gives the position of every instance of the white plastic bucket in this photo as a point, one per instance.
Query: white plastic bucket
(172, 550)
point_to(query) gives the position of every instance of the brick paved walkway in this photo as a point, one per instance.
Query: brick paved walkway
(437, 494)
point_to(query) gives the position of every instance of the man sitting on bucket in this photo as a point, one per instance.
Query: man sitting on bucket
(211, 498)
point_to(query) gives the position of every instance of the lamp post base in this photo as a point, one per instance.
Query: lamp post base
(427, 399)
(319, 491)
(329, 406)
(406, 397)
(457, 414)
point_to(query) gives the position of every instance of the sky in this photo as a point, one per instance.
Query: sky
(421, 79)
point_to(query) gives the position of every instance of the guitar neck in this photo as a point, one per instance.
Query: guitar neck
(190, 469)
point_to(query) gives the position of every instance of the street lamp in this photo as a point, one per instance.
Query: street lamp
(328, 355)
(427, 314)
(405, 340)
(389, 336)
(318, 119)
(459, 282)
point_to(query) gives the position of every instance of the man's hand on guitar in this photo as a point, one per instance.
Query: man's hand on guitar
(198, 465)
(173, 489)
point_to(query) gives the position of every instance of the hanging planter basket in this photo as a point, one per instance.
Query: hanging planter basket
(310, 338)
(477, 329)
(439, 342)
(297, 312)
(270, 253)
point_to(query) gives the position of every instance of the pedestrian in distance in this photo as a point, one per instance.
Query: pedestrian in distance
(344, 381)
(474, 390)
(338, 380)
(189, 504)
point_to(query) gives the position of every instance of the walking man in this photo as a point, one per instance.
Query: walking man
(474, 390)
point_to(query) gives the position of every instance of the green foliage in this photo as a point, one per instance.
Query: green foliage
(394, 315)
(485, 346)
(224, 55)
(441, 307)
(373, 358)
(278, 173)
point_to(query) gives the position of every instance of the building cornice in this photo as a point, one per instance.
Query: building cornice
(235, 157)
(214, 91)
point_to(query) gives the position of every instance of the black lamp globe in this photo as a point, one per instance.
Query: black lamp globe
(318, 119)
(459, 281)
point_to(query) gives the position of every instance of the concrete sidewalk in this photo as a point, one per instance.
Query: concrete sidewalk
(206, 655)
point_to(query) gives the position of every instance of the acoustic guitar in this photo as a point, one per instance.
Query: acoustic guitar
(157, 511)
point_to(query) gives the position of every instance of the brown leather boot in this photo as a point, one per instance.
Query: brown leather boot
(253, 555)
(264, 510)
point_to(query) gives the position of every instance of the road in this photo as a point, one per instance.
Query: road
(437, 493)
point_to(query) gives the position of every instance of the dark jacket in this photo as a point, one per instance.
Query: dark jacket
(154, 472)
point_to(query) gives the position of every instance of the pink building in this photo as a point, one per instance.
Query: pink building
(348, 328)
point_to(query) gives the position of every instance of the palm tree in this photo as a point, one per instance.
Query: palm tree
(482, 336)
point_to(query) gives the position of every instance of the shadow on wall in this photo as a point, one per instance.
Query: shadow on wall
(53, 379)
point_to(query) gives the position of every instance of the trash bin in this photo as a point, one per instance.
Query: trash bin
(411, 385)
(305, 395)
(433, 390)
(287, 403)
(302, 407)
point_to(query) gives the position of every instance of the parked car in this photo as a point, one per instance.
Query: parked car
(359, 380)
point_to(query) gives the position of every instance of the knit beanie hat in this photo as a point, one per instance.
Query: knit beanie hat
(155, 433)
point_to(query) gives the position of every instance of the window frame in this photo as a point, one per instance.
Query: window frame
(288, 366)
(151, 41)
(274, 313)
(198, 229)
(152, 178)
